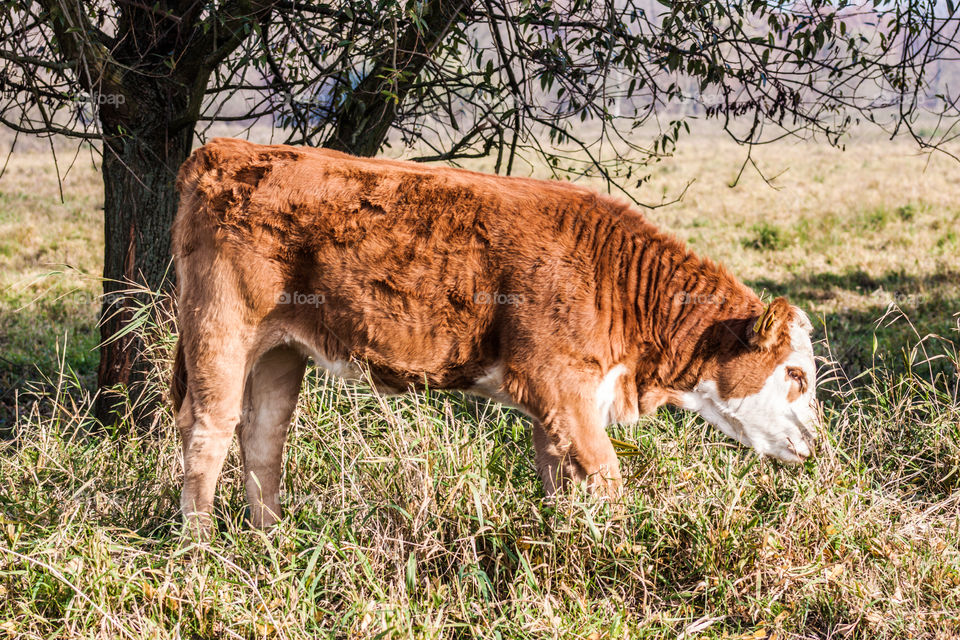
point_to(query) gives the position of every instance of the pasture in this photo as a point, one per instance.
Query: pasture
(422, 516)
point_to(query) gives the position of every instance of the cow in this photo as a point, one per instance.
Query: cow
(543, 295)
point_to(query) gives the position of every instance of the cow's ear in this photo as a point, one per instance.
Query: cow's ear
(768, 328)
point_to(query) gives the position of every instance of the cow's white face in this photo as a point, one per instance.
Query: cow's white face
(777, 415)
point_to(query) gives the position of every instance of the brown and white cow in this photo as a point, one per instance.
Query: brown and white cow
(543, 295)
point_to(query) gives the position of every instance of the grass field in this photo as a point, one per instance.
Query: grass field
(421, 516)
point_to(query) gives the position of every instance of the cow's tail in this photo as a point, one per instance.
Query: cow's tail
(178, 383)
(188, 177)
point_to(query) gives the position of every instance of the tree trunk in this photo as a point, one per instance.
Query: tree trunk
(141, 156)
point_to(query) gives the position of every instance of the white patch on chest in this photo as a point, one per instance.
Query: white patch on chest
(606, 394)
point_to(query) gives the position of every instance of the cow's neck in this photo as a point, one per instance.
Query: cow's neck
(690, 299)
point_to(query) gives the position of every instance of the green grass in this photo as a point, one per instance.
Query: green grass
(422, 515)
(765, 237)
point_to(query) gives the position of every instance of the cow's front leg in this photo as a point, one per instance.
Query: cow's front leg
(554, 463)
(571, 444)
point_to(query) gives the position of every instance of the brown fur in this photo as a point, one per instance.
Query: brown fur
(437, 276)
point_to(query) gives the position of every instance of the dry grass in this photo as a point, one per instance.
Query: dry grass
(51, 252)
(421, 516)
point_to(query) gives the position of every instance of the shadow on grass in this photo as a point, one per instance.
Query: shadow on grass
(900, 310)
(40, 335)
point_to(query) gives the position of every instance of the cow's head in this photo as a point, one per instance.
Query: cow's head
(759, 383)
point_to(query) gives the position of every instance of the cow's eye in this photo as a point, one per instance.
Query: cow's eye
(796, 375)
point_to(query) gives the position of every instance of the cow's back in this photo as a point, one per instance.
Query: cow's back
(423, 272)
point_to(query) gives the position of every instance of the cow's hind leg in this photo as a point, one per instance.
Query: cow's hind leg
(207, 421)
(269, 400)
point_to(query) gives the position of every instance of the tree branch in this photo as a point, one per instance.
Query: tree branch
(365, 117)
